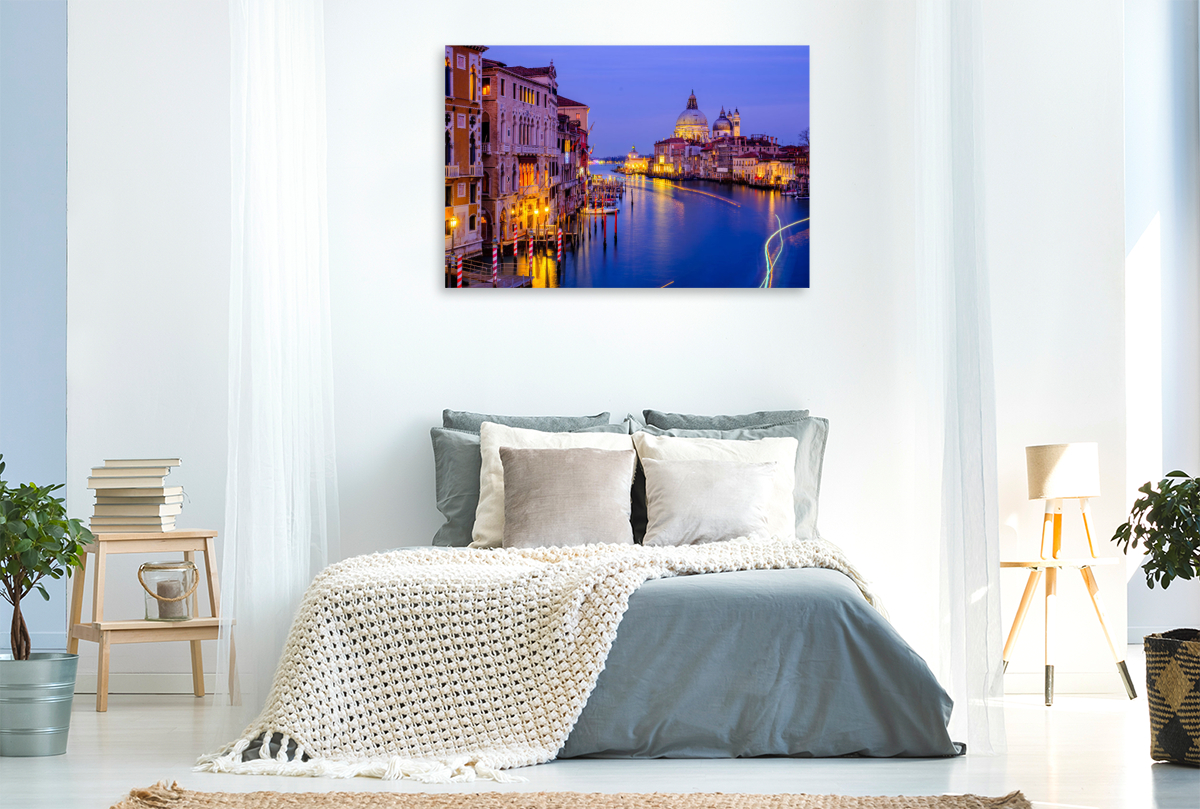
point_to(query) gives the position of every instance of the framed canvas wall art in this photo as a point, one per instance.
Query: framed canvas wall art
(627, 166)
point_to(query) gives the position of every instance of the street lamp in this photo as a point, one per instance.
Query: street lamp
(453, 225)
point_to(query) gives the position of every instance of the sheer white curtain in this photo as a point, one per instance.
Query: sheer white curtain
(957, 428)
(281, 510)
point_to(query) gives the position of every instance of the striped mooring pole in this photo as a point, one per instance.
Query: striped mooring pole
(616, 219)
(559, 255)
(458, 268)
(495, 261)
(530, 255)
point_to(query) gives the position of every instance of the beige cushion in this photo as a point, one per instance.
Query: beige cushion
(566, 496)
(488, 531)
(781, 515)
(689, 502)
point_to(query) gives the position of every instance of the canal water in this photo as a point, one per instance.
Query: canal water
(690, 233)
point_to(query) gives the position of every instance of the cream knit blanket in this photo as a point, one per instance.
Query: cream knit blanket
(447, 666)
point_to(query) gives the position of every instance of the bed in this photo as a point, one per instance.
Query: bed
(733, 631)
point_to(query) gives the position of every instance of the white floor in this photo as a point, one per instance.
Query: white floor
(1082, 752)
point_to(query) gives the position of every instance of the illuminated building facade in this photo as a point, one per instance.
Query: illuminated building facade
(575, 111)
(721, 152)
(635, 163)
(523, 151)
(573, 162)
(743, 166)
(773, 172)
(464, 149)
(675, 157)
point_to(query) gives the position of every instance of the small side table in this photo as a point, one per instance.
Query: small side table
(1051, 567)
(106, 633)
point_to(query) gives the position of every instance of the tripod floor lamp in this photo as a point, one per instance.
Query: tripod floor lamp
(1059, 472)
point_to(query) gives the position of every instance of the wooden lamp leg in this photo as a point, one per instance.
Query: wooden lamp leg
(1035, 576)
(1048, 517)
(1086, 512)
(1051, 604)
(1093, 588)
(1057, 506)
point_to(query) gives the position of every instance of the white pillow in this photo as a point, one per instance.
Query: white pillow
(781, 515)
(489, 514)
(691, 502)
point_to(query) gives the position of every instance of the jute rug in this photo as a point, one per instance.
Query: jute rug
(162, 796)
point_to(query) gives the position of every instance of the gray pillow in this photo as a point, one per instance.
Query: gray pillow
(565, 497)
(811, 433)
(463, 420)
(456, 463)
(694, 501)
(685, 421)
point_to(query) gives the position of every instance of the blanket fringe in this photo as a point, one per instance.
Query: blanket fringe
(457, 769)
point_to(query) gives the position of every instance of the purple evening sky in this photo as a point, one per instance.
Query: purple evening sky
(636, 92)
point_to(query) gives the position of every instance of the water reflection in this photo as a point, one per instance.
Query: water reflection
(686, 234)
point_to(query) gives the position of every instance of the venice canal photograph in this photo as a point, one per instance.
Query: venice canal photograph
(627, 166)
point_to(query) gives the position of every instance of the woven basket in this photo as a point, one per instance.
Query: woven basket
(1173, 692)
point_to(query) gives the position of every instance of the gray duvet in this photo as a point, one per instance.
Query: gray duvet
(760, 663)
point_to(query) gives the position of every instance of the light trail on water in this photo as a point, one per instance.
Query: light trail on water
(769, 280)
(771, 264)
(697, 191)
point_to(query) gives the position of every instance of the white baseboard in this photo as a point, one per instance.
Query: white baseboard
(1136, 633)
(1020, 682)
(45, 641)
(1065, 682)
(144, 683)
(123, 682)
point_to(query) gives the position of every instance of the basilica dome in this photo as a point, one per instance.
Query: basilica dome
(722, 127)
(691, 124)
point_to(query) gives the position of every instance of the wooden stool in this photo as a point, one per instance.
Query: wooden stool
(106, 633)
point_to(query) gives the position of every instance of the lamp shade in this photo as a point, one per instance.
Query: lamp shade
(1063, 470)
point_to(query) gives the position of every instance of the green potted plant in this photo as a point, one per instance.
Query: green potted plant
(1165, 521)
(36, 688)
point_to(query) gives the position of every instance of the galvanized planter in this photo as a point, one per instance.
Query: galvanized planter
(35, 703)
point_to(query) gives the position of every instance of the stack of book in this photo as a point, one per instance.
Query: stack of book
(132, 496)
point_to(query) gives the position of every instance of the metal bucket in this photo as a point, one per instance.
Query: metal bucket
(35, 703)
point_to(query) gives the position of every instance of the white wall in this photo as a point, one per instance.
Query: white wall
(1056, 251)
(148, 247)
(149, 241)
(1162, 240)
